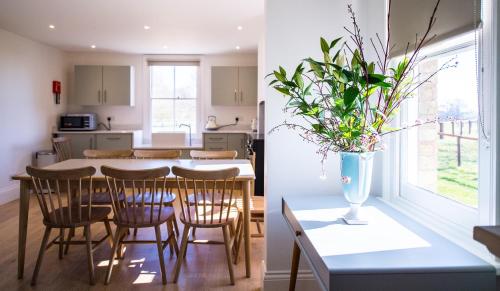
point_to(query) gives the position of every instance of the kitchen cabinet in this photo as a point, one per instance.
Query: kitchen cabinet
(226, 142)
(79, 143)
(103, 85)
(113, 141)
(247, 83)
(234, 86)
(101, 141)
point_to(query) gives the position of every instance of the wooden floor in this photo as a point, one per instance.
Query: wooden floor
(204, 269)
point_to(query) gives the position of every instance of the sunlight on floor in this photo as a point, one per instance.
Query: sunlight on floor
(105, 263)
(145, 277)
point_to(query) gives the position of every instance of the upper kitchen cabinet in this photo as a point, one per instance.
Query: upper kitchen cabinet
(234, 86)
(103, 85)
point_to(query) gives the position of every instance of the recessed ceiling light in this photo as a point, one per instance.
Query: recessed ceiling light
(52, 26)
(237, 47)
(147, 27)
(93, 46)
(165, 46)
(239, 27)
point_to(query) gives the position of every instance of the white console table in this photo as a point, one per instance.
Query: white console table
(392, 252)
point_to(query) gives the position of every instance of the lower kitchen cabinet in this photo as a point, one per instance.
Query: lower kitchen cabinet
(100, 141)
(113, 141)
(226, 142)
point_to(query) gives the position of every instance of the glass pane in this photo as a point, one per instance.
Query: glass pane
(446, 159)
(162, 114)
(185, 113)
(162, 81)
(185, 81)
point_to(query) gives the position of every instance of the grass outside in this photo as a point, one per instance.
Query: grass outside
(458, 183)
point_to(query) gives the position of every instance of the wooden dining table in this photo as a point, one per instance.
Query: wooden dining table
(243, 182)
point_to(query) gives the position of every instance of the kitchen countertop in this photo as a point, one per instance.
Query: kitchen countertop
(146, 146)
(130, 131)
(229, 131)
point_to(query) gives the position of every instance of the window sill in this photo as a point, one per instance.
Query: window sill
(457, 234)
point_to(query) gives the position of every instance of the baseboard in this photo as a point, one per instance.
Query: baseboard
(278, 280)
(9, 193)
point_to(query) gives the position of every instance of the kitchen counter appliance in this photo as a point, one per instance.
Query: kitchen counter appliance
(78, 122)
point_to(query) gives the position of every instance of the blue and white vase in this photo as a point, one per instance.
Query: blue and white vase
(356, 173)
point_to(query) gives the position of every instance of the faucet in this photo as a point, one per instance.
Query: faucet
(188, 126)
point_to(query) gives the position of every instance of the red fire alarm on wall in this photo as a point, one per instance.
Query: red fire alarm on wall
(56, 89)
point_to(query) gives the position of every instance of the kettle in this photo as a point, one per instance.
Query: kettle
(253, 124)
(211, 122)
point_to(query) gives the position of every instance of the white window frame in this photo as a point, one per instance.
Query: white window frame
(147, 114)
(489, 201)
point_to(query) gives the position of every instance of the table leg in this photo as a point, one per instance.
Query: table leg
(24, 207)
(295, 266)
(246, 226)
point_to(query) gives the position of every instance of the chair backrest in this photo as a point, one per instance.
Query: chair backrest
(125, 187)
(59, 193)
(213, 155)
(107, 154)
(62, 145)
(157, 154)
(206, 209)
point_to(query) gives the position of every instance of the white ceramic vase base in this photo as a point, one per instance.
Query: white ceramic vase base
(353, 216)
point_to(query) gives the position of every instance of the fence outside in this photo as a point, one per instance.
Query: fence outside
(457, 131)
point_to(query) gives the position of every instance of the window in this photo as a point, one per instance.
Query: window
(174, 96)
(440, 161)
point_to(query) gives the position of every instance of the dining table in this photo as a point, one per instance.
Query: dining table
(243, 182)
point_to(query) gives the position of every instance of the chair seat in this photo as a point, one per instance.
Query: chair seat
(97, 214)
(168, 198)
(100, 198)
(256, 205)
(208, 197)
(138, 217)
(204, 219)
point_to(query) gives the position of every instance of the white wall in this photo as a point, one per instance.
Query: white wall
(28, 110)
(293, 29)
(137, 117)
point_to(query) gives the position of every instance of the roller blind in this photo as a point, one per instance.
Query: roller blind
(409, 17)
(173, 63)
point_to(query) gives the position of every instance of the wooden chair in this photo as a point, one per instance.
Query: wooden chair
(62, 145)
(139, 214)
(213, 155)
(169, 197)
(256, 215)
(208, 214)
(157, 154)
(210, 155)
(108, 154)
(61, 209)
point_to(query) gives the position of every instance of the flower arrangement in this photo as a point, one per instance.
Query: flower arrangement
(346, 100)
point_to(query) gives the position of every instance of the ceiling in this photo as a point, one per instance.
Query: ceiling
(176, 26)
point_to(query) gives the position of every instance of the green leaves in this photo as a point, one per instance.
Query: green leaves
(350, 95)
(324, 46)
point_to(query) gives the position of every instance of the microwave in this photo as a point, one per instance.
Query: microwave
(78, 121)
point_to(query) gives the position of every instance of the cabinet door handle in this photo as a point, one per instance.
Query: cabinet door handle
(113, 138)
(241, 97)
(105, 96)
(98, 96)
(235, 96)
(216, 138)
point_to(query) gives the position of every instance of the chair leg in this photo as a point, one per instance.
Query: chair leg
(114, 249)
(193, 233)
(109, 232)
(160, 254)
(173, 239)
(119, 251)
(61, 243)
(40, 254)
(71, 234)
(181, 256)
(135, 231)
(176, 227)
(90, 257)
(238, 239)
(227, 242)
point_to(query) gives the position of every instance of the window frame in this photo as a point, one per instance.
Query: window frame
(150, 98)
(441, 213)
